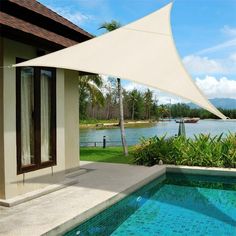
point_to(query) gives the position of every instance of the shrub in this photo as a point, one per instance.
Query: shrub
(202, 150)
(151, 150)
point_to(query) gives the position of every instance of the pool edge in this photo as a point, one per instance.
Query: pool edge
(72, 223)
(212, 171)
(75, 221)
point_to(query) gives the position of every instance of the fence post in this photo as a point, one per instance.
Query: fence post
(104, 141)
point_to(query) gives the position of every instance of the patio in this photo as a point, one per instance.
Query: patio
(101, 185)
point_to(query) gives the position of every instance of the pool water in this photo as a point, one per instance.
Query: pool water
(173, 204)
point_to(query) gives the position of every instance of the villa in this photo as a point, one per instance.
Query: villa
(39, 110)
(44, 187)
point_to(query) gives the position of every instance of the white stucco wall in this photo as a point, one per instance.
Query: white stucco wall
(2, 177)
(71, 120)
(18, 184)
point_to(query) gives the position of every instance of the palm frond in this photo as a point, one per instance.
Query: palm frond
(110, 26)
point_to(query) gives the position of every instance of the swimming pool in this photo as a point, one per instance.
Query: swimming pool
(173, 204)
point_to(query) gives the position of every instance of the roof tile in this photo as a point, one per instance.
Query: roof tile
(37, 7)
(27, 27)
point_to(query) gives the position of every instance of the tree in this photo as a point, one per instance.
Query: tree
(111, 97)
(89, 89)
(110, 26)
(148, 103)
(163, 111)
(133, 98)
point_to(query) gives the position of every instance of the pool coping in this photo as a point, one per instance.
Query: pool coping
(80, 218)
(212, 171)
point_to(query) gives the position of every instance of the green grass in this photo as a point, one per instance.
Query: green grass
(109, 154)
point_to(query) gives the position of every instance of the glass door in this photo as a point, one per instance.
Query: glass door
(35, 118)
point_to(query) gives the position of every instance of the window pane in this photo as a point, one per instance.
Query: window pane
(46, 77)
(27, 119)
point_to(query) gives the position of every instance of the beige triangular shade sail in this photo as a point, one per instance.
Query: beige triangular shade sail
(143, 52)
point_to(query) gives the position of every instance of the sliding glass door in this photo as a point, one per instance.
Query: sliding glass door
(46, 154)
(27, 119)
(36, 118)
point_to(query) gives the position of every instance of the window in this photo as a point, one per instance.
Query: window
(35, 118)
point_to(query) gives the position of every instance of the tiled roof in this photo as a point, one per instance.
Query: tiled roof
(37, 7)
(29, 28)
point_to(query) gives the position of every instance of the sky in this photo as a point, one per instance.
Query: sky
(204, 32)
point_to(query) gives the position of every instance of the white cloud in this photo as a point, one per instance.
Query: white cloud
(233, 57)
(217, 88)
(198, 65)
(203, 65)
(211, 86)
(222, 46)
(129, 86)
(76, 17)
(229, 31)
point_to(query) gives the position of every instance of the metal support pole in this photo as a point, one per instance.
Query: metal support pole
(104, 141)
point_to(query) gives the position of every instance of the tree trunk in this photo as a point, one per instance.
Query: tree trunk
(108, 111)
(122, 128)
(133, 111)
(93, 112)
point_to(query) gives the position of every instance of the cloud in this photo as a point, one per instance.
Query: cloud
(217, 88)
(76, 17)
(198, 65)
(229, 31)
(129, 86)
(219, 47)
(211, 86)
(203, 65)
(233, 57)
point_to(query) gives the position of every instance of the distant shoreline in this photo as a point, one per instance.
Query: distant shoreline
(129, 123)
(115, 124)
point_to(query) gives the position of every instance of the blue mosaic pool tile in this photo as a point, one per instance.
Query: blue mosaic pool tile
(165, 207)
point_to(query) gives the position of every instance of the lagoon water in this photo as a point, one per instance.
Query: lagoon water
(170, 128)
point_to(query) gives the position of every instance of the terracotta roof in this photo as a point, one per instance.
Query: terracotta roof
(37, 7)
(29, 28)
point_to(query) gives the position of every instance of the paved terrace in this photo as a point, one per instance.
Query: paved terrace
(102, 185)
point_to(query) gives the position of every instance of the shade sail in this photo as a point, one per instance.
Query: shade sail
(143, 51)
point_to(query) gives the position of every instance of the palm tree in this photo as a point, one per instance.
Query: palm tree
(133, 98)
(148, 103)
(89, 88)
(163, 111)
(110, 26)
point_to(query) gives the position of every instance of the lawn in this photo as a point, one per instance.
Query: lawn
(109, 154)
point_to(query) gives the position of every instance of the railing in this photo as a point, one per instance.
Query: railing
(104, 143)
(100, 144)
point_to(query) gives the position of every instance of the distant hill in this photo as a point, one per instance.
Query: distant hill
(225, 103)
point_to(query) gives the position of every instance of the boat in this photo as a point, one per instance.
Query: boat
(188, 120)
